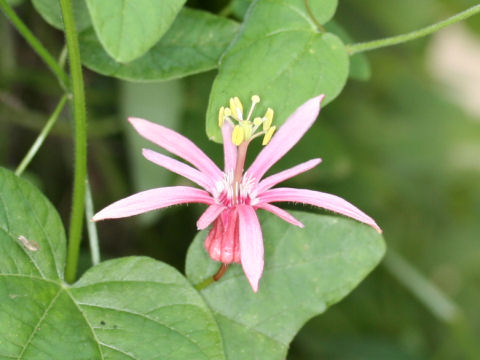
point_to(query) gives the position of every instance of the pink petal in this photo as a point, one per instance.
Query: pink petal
(177, 144)
(153, 199)
(251, 245)
(209, 216)
(229, 149)
(287, 136)
(282, 214)
(320, 199)
(179, 168)
(273, 180)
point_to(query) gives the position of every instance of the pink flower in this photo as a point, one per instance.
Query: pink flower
(233, 196)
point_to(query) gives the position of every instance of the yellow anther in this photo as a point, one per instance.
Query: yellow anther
(268, 119)
(268, 135)
(255, 99)
(236, 107)
(238, 103)
(257, 121)
(238, 135)
(247, 128)
(221, 116)
(227, 112)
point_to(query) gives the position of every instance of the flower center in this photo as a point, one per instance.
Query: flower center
(230, 193)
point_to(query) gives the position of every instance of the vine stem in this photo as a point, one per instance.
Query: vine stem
(394, 40)
(80, 166)
(35, 43)
(41, 137)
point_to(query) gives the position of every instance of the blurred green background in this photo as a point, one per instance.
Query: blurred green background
(403, 145)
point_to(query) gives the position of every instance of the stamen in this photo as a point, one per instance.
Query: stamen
(255, 101)
(268, 119)
(238, 135)
(268, 135)
(257, 121)
(247, 128)
(221, 116)
(237, 108)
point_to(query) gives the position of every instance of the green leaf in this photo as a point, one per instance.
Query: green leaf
(129, 28)
(280, 55)
(130, 308)
(26, 213)
(306, 271)
(193, 44)
(52, 14)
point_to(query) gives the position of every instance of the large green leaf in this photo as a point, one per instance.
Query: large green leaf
(52, 13)
(193, 44)
(130, 308)
(281, 56)
(128, 28)
(306, 271)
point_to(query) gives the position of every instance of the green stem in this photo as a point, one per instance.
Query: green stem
(35, 43)
(394, 40)
(41, 137)
(78, 202)
(91, 226)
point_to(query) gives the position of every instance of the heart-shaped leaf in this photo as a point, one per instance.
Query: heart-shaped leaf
(306, 271)
(281, 56)
(193, 44)
(130, 308)
(128, 28)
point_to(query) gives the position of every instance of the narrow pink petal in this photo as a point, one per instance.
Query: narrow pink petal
(287, 136)
(320, 199)
(282, 214)
(209, 216)
(177, 144)
(229, 148)
(274, 179)
(153, 199)
(251, 245)
(180, 168)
